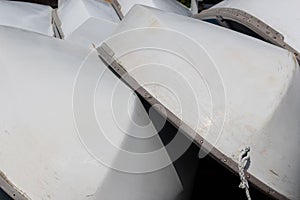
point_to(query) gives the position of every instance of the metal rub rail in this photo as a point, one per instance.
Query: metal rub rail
(251, 22)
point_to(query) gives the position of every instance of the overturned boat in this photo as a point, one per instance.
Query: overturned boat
(264, 20)
(73, 126)
(228, 98)
(27, 16)
(46, 152)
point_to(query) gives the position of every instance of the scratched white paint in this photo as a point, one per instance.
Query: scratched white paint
(261, 83)
(87, 22)
(27, 16)
(41, 153)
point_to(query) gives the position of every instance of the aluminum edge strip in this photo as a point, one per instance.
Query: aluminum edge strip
(251, 22)
(56, 24)
(10, 189)
(117, 7)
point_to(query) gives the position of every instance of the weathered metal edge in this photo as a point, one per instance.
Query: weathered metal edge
(116, 5)
(10, 189)
(251, 22)
(56, 25)
(107, 56)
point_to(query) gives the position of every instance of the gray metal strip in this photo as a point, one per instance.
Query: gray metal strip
(251, 22)
(56, 24)
(115, 4)
(10, 189)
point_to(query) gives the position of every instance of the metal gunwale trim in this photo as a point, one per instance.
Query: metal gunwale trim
(117, 7)
(251, 22)
(10, 189)
(56, 25)
(106, 54)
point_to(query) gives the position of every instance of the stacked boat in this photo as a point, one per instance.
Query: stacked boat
(72, 124)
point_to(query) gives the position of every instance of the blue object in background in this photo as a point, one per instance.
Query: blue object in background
(4, 196)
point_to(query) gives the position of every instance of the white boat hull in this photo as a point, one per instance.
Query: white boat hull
(227, 91)
(50, 146)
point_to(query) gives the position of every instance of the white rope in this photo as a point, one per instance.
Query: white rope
(243, 159)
